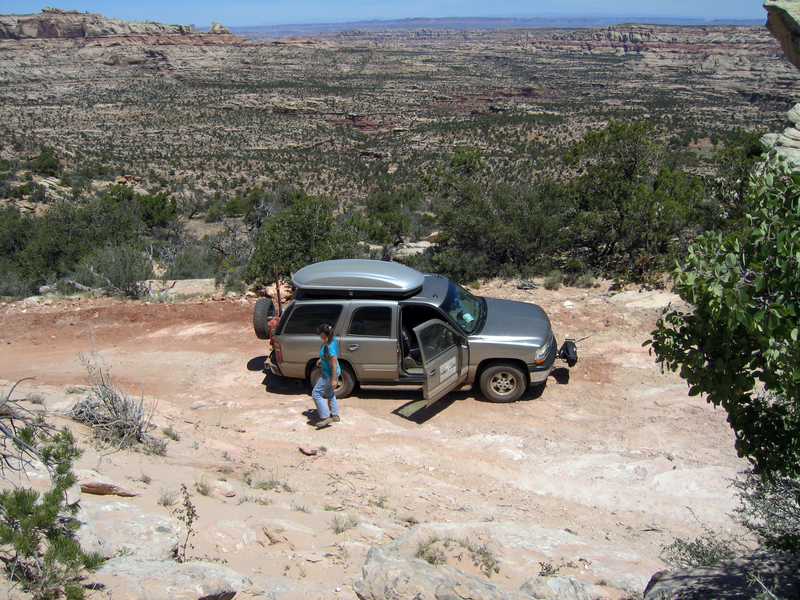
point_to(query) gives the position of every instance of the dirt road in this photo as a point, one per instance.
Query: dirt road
(612, 451)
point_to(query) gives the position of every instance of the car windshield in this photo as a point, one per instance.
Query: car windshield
(463, 307)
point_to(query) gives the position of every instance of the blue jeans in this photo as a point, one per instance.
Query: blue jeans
(324, 389)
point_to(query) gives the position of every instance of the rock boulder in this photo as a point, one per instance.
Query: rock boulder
(783, 21)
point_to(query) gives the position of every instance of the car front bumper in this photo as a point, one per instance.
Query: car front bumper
(539, 372)
(568, 353)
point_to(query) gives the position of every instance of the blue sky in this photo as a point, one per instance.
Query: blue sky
(270, 12)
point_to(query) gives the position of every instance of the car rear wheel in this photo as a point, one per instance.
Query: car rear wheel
(262, 313)
(503, 383)
(347, 381)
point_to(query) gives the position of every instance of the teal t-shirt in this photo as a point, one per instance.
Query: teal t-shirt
(333, 350)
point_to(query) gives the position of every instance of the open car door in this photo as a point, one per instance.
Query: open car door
(445, 358)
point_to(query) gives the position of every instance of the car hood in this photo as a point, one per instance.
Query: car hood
(508, 320)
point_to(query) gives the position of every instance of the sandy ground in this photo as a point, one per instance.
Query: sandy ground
(613, 450)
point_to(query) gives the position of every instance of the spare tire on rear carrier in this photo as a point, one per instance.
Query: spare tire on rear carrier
(263, 312)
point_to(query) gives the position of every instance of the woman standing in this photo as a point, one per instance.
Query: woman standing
(328, 382)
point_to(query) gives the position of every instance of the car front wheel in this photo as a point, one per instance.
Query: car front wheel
(347, 381)
(503, 383)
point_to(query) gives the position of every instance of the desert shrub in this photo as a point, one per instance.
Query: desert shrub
(458, 264)
(738, 344)
(497, 228)
(770, 508)
(118, 270)
(167, 498)
(388, 215)
(629, 205)
(37, 544)
(115, 417)
(304, 232)
(16, 230)
(46, 163)
(737, 163)
(191, 261)
(706, 550)
(203, 487)
(158, 210)
(553, 280)
(170, 433)
(434, 550)
(13, 284)
(340, 524)
(186, 514)
(70, 232)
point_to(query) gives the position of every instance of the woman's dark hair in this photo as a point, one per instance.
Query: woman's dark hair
(327, 331)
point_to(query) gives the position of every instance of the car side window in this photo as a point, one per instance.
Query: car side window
(305, 318)
(435, 340)
(371, 321)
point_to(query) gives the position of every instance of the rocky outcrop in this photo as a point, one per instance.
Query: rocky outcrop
(787, 144)
(555, 587)
(388, 575)
(731, 579)
(54, 23)
(149, 578)
(218, 29)
(783, 22)
(111, 528)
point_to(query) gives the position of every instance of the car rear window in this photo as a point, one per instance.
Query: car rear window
(305, 318)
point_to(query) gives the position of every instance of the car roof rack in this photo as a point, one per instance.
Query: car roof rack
(359, 278)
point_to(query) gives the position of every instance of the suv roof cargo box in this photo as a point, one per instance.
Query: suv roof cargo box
(359, 279)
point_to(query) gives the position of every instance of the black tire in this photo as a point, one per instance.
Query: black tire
(503, 382)
(262, 313)
(347, 381)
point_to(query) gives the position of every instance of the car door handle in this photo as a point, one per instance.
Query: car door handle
(432, 373)
(353, 347)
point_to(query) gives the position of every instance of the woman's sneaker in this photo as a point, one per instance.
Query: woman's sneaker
(325, 423)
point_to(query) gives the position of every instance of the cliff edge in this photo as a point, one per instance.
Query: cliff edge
(54, 23)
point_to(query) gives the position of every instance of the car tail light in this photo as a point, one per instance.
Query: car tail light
(278, 354)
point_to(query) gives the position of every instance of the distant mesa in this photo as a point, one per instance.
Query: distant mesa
(55, 23)
(258, 32)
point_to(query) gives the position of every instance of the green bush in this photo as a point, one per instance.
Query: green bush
(705, 551)
(738, 343)
(46, 163)
(37, 544)
(116, 270)
(192, 262)
(158, 210)
(553, 280)
(304, 232)
(69, 232)
(770, 508)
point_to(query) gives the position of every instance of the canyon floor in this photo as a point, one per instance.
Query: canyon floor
(605, 465)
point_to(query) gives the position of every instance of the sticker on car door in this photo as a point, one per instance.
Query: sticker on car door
(447, 369)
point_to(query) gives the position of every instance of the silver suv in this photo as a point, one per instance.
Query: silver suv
(396, 326)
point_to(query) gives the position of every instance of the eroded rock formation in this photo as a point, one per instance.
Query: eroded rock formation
(54, 23)
(782, 22)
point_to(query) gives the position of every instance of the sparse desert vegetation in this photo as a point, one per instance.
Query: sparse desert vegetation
(209, 144)
(556, 154)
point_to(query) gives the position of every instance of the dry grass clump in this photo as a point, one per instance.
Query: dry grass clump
(115, 417)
